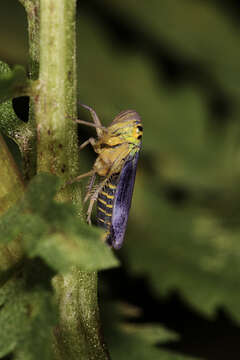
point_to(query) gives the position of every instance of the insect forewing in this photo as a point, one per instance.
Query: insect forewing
(122, 202)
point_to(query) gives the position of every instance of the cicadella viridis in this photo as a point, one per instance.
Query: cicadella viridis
(118, 147)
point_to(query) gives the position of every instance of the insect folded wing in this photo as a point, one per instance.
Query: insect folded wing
(122, 202)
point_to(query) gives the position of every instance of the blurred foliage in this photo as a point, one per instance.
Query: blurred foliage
(51, 234)
(194, 240)
(12, 83)
(9, 120)
(28, 313)
(136, 340)
(177, 64)
(53, 231)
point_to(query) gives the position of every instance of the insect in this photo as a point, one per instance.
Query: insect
(118, 147)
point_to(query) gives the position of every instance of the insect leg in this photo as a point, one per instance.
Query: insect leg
(93, 198)
(89, 173)
(89, 187)
(89, 211)
(91, 183)
(95, 118)
(85, 143)
(78, 121)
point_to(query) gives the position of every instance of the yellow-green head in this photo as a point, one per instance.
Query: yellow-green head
(127, 127)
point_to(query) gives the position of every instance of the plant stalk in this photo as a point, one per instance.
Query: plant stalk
(28, 137)
(77, 336)
(11, 189)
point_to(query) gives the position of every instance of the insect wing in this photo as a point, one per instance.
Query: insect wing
(122, 202)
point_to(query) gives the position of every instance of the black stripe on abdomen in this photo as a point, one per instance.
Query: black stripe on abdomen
(105, 202)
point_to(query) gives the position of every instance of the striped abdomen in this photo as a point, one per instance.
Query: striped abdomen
(105, 202)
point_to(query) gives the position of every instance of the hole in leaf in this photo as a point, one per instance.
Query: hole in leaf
(21, 107)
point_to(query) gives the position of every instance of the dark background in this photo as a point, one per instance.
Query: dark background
(178, 64)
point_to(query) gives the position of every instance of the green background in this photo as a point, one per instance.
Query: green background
(177, 63)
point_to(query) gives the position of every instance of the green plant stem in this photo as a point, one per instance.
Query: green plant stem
(28, 140)
(56, 97)
(32, 8)
(11, 189)
(77, 335)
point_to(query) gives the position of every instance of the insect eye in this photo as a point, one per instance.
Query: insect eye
(140, 128)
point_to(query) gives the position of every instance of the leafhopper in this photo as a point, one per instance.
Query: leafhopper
(118, 147)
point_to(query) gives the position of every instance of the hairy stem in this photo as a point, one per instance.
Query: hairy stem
(77, 335)
(56, 97)
(28, 138)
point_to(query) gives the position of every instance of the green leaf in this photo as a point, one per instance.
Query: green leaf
(138, 348)
(189, 249)
(10, 124)
(8, 119)
(138, 341)
(61, 252)
(13, 83)
(27, 317)
(53, 231)
(10, 233)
